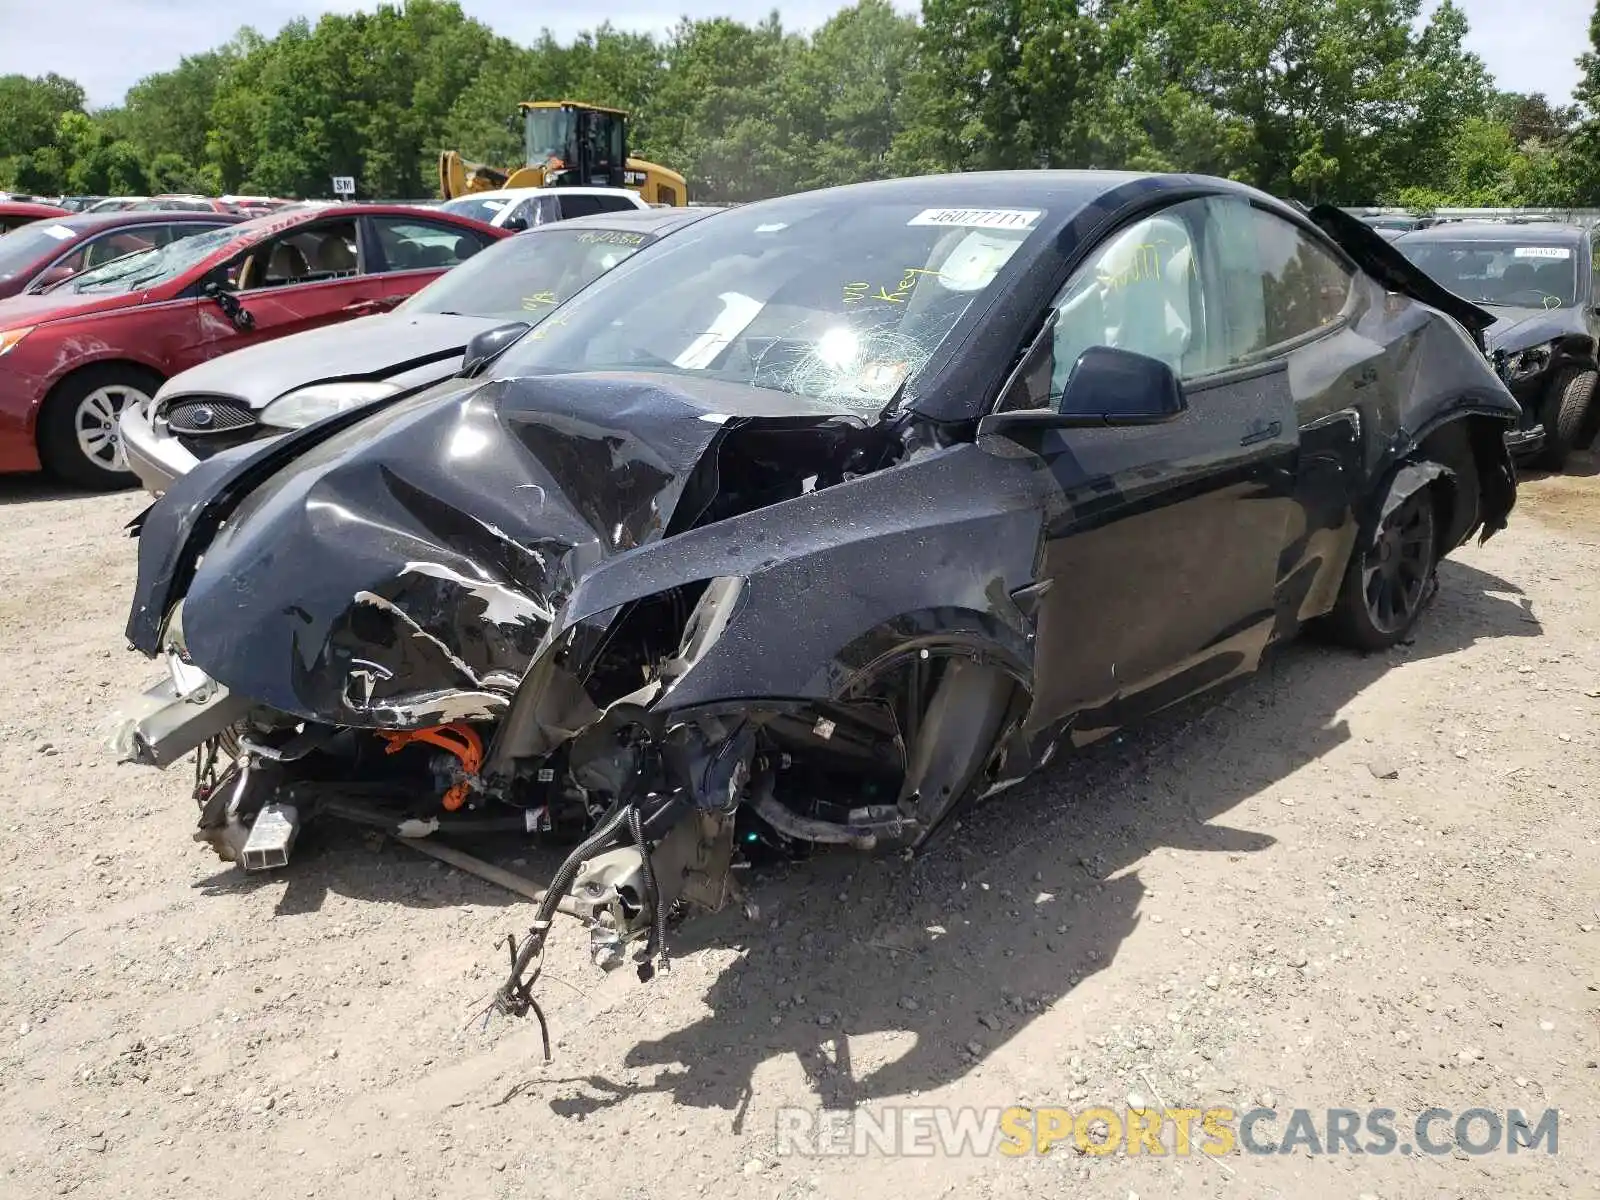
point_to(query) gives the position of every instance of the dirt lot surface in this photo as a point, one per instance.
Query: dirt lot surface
(1347, 883)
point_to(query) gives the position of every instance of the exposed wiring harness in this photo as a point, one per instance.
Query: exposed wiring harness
(658, 911)
(515, 996)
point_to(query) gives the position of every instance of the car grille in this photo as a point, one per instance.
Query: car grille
(206, 416)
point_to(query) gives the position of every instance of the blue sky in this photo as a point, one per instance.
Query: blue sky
(107, 45)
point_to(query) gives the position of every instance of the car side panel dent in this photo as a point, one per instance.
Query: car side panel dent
(1439, 385)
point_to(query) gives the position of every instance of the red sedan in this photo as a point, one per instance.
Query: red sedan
(72, 357)
(14, 214)
(47, 252)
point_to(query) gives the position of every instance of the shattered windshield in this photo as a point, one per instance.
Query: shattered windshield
(145, 268)
(837, 302)
(1499, 272)
(523, 278)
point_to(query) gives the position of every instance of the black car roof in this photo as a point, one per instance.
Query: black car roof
(1557, 232)
(1066, 190)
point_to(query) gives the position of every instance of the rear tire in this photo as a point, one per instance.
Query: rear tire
(79, 441)
(1567, 407)
(1387, 584)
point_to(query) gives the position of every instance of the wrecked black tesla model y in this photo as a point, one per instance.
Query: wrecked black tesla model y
(816, 523)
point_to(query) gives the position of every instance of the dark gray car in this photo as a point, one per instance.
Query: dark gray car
(263, 391)
(1538, 280)
(815, 524)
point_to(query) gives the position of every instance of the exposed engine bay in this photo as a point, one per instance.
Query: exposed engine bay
(592, 711)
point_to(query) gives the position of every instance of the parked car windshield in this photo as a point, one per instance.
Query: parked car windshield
(523, 278)
(838, 302)
(1514, 274)
(22, 248)
(145, 268)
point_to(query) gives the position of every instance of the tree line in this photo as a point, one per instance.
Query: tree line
(1353, 101)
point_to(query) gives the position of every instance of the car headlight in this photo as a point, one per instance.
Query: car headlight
(1525, 363)
(10, 337)
(311, 404)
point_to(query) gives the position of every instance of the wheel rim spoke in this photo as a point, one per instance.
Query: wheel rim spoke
(1396, 568)
(95, 423)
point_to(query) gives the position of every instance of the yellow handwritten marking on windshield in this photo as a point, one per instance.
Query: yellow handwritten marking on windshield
(611, 237)
(854, 293)
(538, 300)
(542, 331)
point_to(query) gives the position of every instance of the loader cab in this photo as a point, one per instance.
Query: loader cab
(577, 144)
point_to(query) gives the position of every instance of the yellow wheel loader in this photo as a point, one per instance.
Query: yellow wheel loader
(566, 142)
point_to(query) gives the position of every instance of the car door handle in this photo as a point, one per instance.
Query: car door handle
(1261, 432)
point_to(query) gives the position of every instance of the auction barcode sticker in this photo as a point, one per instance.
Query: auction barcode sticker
(979, 218)
(1542, 252)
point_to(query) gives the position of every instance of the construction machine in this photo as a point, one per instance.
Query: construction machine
(567, 143)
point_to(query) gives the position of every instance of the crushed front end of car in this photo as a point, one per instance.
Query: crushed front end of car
(545, 608)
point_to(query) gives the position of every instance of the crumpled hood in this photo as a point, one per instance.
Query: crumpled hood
(403, 572)
(376, 347)
(1519, 328)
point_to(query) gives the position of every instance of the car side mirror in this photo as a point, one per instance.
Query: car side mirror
(46, 280)
(489, 345)
(515, 224)
(230, 306)
(1107, 388)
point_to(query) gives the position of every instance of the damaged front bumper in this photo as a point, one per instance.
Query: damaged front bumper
(545, 609)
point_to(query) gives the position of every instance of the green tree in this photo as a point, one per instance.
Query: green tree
(31, 109)
(170, 112)
(1582, 166)
(963, 107)
(30, 113)
(719, 115)
(845, 93)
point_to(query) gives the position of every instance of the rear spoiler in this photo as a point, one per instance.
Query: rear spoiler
(1389, 267)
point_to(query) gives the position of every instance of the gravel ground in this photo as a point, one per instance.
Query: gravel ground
(1350, 882)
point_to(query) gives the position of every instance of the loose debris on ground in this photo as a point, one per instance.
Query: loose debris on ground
(1346, 883)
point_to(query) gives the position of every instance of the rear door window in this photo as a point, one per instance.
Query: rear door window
(534, 210)
(409, 245)
(588, 206)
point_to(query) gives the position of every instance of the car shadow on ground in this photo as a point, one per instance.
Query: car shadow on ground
(30, 489)
(1585, 464)
(1005, 916)
(1012, 911)
(331, 858)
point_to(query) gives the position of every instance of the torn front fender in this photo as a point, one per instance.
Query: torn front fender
(929, 552)
(403, 572)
